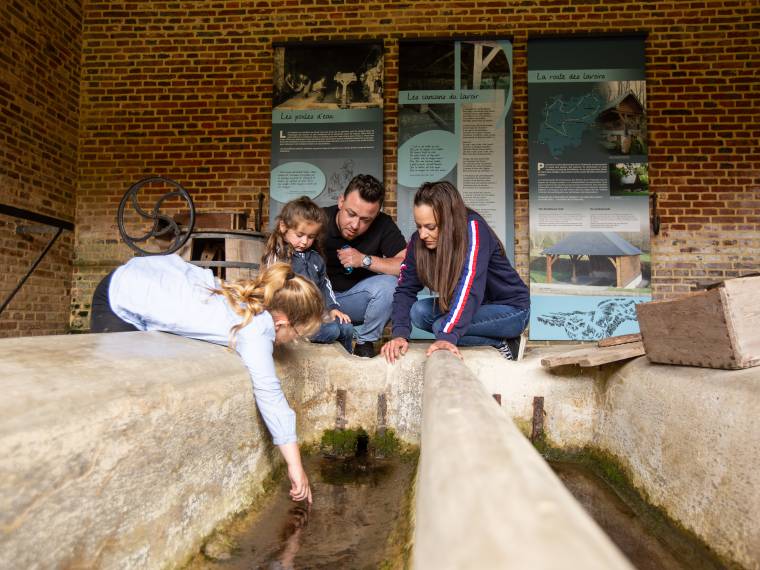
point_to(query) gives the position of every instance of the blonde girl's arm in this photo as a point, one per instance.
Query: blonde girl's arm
(256, 351)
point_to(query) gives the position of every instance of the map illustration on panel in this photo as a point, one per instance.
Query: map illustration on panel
(565, 121)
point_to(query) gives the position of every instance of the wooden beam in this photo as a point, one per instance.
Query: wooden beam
(617, 340)
(595, 356)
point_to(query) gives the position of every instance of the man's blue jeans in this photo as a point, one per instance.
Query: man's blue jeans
(490, 325)
(330, 332)
(368, 303)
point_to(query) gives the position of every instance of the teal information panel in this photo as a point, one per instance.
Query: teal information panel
(327, 119)
(590, 255)
(455, 124)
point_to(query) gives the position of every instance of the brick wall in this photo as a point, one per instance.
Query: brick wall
(182, 88)
(39, 114)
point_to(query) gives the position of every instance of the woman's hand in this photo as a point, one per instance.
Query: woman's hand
(299, 482)
(394, 349)
(340, 315)
(444, 345)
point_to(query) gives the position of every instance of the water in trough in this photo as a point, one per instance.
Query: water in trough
(648, 544)
(357, 520)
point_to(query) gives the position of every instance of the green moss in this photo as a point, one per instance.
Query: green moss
(350, 442)
(385, 444)
(341, 442)
(687, 545)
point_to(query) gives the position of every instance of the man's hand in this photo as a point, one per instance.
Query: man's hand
(394, 349)
(444, 345)
(350, 257)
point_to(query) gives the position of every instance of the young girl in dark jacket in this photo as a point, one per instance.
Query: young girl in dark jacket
(481, 301)
(294, 240)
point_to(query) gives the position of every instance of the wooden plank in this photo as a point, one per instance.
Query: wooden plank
(617, 340)
(613, 354)
(215, 220)
(595, 356)
(570, 357)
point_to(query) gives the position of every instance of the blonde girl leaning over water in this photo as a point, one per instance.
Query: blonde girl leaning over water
(165, 293)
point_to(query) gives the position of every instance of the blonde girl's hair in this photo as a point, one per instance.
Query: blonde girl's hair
(299, 210)
(277, 288)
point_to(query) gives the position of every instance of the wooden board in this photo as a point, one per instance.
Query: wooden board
(616, 340)
(716, 328)
(595, 356)
(215, 220)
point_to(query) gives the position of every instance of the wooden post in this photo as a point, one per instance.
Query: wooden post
(382, 412)
(537, 428)
(549, 261)
(340, 415)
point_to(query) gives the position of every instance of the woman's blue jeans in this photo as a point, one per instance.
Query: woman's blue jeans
(490, 325)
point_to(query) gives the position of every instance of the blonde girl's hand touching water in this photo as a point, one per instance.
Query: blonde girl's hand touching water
(296, 307)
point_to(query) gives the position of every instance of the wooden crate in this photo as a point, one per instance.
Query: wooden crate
(717, 328)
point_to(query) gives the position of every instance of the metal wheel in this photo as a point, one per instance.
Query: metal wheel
(163, 226)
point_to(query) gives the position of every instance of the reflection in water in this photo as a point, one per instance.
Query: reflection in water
(648, 547)
(298, 518)
(357, 503)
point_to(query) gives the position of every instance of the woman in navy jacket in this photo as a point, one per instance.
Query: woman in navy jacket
(481, 301)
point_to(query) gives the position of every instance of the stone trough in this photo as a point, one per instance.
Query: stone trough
(127, 450)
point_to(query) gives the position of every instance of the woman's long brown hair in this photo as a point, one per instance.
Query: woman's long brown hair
(440, 268)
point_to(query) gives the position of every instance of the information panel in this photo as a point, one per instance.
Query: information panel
(455, 124)
(327, 119)
(590, 257)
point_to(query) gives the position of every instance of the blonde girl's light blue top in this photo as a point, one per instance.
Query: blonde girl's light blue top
(165, 293)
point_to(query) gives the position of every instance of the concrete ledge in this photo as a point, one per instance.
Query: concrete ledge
(573, 396)
(485, 498)
(690, 438)
(126, 450)
(122, 450)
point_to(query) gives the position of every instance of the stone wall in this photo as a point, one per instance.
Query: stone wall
(40, 56)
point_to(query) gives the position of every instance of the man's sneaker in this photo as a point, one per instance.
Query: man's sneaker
(512, 348)
(364, 349)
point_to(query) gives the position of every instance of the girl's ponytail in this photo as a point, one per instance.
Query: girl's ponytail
(276, 288)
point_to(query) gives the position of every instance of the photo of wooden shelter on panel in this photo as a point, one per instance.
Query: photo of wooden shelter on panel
(610, 259)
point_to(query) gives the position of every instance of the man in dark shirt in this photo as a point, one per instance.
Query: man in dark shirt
(364, 250)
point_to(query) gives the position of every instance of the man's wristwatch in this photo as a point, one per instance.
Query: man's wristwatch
(366, 261)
